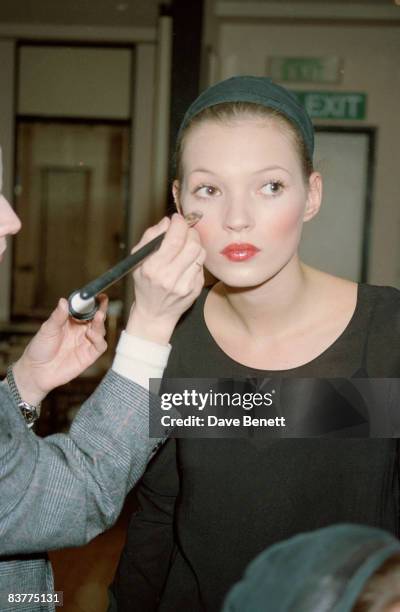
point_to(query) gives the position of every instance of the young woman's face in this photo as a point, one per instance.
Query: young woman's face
(246, 179)
(9, 222)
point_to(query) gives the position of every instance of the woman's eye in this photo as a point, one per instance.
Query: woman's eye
(272, 188)
(206, 191)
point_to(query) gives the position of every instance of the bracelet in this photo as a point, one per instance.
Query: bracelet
(29, 412)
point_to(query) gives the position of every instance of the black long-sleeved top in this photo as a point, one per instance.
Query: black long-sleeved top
(211, 505)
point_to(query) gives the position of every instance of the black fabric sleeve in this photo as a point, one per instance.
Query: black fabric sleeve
(145, 559)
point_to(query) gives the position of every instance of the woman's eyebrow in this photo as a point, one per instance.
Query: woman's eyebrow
(202, 170)
(267, 168)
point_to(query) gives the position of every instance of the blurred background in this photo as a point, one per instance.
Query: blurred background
(91, 96)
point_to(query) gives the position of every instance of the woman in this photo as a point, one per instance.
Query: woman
(244, 159)
(65, 489)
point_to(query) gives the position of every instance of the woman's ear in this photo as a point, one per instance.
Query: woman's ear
(176, 195)
(314, 196)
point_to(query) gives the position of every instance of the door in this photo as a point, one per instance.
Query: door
(336, 240)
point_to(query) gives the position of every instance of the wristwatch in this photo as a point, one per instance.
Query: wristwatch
(29, 412)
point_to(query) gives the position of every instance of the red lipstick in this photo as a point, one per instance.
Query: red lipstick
(239, 251)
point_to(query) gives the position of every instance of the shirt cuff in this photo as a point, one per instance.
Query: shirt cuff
(139, 359)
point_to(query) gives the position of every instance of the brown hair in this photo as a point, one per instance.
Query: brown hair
(382, 590)
(229, 111)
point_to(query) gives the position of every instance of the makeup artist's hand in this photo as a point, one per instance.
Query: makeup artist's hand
(168, 281)
(61, 350)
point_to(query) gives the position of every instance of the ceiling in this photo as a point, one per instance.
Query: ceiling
(81, 12)
(141, 13)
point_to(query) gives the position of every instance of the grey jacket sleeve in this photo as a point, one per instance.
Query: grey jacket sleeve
(65, 489)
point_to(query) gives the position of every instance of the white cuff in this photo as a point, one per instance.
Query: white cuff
(139, 359)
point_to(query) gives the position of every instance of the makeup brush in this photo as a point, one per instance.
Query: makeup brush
(83, 304)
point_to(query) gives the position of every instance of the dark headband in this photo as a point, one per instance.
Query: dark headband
(259, 90)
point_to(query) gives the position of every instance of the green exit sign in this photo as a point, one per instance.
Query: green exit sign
(305, 69)
(333, 105)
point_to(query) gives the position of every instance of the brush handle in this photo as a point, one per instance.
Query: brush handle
(83, 303)
(120, 269)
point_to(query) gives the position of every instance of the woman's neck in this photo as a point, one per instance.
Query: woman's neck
(273, 308)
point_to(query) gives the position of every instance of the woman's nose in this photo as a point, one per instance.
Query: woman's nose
(238, 215)
(9, 221)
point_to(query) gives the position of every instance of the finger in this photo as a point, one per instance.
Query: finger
(192, 252)
(171, 271)
(58, 317)
(193, 275)
(174, 241)
(191, 285)
(103, 304)
(97, 324)
(151, 233)
(97, 341)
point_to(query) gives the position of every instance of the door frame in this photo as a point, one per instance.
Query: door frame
(371, 133)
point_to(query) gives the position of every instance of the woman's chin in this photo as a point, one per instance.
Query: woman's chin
(241, 279)
(252, 273)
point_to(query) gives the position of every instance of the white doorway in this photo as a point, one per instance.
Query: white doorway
(337, 239)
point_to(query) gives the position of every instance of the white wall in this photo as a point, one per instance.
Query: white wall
(371, 57)
(74, 82)
(332, 241)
